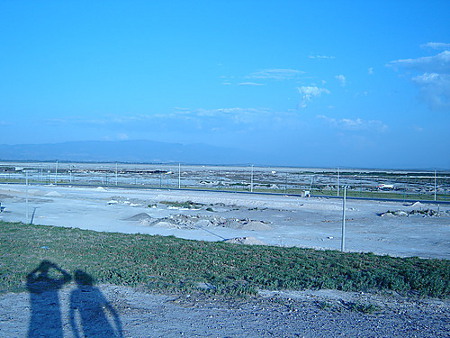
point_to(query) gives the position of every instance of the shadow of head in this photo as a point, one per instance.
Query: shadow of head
(83, 279)
(44, 267)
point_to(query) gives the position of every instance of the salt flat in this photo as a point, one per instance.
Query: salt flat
(216, 216)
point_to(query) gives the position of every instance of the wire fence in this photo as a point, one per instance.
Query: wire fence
(390, 184)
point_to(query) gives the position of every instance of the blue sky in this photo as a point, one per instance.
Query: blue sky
(307, 83)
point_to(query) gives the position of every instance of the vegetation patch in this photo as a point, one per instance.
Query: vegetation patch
(169, 263)
(183, 205)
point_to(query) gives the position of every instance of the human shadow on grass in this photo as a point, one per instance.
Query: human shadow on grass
(43, 284)
(93, 310)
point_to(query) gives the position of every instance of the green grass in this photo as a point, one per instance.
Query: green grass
(168, 263)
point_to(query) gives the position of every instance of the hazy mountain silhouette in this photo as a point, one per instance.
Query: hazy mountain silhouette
(126, 151)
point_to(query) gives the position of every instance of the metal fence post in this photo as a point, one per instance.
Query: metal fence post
(343, 219)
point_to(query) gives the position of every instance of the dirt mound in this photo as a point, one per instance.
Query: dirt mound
(245, 240)
(53, 194)
(139, 217)
(182, 221)
(165, 224)
(247, 224)
(256, 225)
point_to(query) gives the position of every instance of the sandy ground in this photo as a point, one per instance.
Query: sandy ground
(274, 220)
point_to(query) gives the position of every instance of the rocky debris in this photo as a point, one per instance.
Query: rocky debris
(426, 212)
(182, 221)
(390, 213)
(247, 224)
(142, 218)
(245, 240)
(126, 201)
(422, 212)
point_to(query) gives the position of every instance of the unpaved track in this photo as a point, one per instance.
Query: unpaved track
(271, 314)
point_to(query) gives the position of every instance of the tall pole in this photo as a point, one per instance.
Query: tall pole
(26, 195)
(251, 180)
(116, 174)
(56, 173)
(435, 186)
(343, 219)
(286, 183)
(179, 175)
(338, 183)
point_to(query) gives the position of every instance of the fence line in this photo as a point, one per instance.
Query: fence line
(401, 185)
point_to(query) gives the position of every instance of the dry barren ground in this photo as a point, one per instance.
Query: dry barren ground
(406, 230)
(274, 220)
(133, 313)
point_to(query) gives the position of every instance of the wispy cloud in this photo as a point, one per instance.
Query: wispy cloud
(187, 123)
(439, 63)
(342, 79)
(370, 71)
(321, 57)
(355, 124)
(436, 45)
(126, 118)
(276, 74)
(309, 92)
(123, 136)
(435, 89)
(240, 118)
(433, 79)
(250, 84)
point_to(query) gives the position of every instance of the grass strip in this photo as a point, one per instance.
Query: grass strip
(169, 263)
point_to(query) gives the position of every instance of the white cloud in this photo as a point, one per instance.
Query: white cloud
(370, 71)
(250, 84)
(309, 92)
(435, 89)
(342, 80)
(235, 115)
(123, 136)
(355, 124)
(439, 63)
(275, 74)
(436, 45)
(321, 57)
(433, 79)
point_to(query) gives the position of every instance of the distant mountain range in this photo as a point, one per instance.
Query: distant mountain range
(126, 151)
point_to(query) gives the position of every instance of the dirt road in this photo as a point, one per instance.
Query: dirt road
(133, 313)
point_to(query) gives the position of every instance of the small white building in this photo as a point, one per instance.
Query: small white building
(306, 193)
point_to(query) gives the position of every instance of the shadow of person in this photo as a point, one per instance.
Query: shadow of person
(43, 284)
(91, 305)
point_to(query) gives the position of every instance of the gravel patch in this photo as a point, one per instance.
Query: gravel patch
(137, 313)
